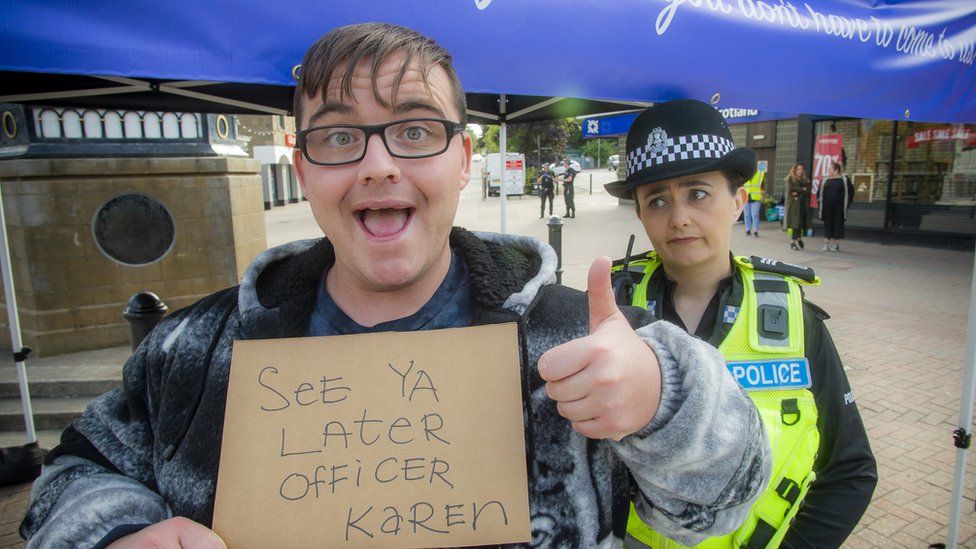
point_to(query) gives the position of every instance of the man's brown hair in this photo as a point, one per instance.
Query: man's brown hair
(374, 41)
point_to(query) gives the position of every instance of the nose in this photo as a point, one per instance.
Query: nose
(377, 165)
(680, 214)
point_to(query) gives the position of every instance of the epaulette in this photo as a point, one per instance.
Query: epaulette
(799, 272)
(821, 314)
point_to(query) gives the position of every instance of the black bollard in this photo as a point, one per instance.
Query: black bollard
(143, 312)
(555, 224)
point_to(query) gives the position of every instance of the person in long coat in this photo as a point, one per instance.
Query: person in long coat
(797, 205)
(834, 196)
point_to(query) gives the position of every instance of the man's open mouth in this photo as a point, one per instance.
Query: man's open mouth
(384, 222)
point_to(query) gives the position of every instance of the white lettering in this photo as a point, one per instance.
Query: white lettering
(915, 42)
(752, 374)
(784, 373)
(667, 14)
(863, 30)
(738, 372)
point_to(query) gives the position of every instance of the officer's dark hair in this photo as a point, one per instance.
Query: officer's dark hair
(734, 180)
(374, 42)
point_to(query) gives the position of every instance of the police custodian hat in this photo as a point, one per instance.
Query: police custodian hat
(678, 138)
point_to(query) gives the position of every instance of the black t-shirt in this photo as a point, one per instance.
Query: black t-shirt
(568, 177)
(546, 178)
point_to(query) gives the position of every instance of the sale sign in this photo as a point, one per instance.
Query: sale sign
(826, 151)
(947, 133)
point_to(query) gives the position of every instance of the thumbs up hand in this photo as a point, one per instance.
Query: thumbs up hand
(608, 384)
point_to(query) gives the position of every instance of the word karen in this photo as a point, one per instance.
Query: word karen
(422, 515)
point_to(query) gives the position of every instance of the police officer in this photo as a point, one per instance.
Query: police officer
(686, 175)
(545, 181)
(567, 179)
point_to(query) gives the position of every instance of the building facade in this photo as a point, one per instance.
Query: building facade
(271, 141)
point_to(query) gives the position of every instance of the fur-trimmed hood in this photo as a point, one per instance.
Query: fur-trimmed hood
(506, 271)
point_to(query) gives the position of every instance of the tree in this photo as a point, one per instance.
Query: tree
(489, 140)
(544, 141)
(600, 149)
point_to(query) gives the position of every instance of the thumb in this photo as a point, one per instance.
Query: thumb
(599, 293)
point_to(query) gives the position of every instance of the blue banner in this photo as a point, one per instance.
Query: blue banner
(610, 126)
(894, 59)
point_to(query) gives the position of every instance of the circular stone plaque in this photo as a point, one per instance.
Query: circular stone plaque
(134, 229)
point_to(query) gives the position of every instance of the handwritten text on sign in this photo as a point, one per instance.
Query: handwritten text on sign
(380, 440)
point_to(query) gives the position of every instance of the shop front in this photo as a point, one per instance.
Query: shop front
(908, 176)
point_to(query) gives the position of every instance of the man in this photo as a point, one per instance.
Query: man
(685, 175)
(382, 157)
(567, 179)
(545, 189)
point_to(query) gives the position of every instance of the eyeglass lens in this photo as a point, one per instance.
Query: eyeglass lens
(406, 139)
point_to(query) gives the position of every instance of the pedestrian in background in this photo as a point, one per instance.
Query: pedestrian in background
(834, 196)
(545, 189)
(797, 205)
(569, 175)
(754, 188)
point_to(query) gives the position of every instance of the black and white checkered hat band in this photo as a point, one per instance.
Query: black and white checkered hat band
(684, 147)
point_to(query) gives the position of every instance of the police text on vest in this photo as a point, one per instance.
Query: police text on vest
(764, 375)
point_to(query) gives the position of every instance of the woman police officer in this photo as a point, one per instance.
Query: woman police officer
(685, 175)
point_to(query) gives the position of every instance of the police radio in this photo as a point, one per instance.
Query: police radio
(622, 282)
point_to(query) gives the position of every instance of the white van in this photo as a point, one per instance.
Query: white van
(491, 175)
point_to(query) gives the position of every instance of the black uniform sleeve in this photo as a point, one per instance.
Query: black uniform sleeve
(845, 467)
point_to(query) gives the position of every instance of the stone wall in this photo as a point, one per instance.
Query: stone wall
(70, 293)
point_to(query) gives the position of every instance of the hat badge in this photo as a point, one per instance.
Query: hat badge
(657, 141)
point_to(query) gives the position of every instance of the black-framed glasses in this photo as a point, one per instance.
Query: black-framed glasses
(338, 144)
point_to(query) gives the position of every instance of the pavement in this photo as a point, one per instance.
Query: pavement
(899, 318)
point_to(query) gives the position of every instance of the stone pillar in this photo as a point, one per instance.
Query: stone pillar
(70, 291)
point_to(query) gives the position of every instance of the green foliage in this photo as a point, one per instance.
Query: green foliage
(489, 140)
(539, 141)
(531, 174)
(600, 149)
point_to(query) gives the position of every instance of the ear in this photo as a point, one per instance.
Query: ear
(466, 162)
(298, 161)
(739, 202)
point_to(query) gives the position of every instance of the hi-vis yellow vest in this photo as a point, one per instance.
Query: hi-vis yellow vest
(764, 352)
(754, 186)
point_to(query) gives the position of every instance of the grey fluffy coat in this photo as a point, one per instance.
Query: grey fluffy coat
(150, 450)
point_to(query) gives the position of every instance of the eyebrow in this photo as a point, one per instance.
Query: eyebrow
(684, 185)
(400, 108)
(418, 104)
(329, 108)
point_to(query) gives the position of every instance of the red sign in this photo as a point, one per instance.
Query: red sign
(289, 139)
(826, 151)
(947, 133)
(513, 164)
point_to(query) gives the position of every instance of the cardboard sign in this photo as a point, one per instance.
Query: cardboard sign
(380, 440)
